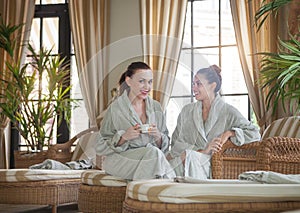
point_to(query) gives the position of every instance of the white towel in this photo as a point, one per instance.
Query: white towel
(50, 164)
(270, 177)
(56, 165)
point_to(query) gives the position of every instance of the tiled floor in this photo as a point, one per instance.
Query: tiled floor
(5, 208)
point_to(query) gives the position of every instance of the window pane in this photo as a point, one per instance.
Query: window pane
(50, 34)
(240, 102)
(79, 120)
(72, 46)
(187, 29)
(39, 86)
(206, 23)
(75, 92)
(53, 1)
(182, 84)
(206, 57)
(227, 30)
(232, 75)
(79, 117)
(205, 51)
(35, 33)
(174, 108)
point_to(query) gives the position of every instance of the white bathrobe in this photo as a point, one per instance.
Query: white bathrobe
(192, 134)
(139, 158)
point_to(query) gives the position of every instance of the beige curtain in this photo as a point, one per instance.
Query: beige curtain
(89, 25)
(13, 12)
(162, 33)
(250, 42)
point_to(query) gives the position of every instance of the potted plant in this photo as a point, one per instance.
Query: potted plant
(34, 94)
(280, 72)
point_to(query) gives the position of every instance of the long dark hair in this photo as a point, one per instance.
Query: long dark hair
(212, 74)
(131, 69)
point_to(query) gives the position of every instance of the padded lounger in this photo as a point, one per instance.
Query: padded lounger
(39, 186)
(210, 196)
(99, 192)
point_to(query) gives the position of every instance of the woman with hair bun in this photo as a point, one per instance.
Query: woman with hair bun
(132, 152)
(204, 126)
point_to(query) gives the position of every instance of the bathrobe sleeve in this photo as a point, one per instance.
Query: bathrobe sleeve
(109, 136)
(120, 116)
(245, 131)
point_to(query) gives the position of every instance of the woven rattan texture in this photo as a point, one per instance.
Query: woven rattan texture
(280, 154)
(101, 198)
(60, 152)
(134, 206)
(233, 160)
(49, 192)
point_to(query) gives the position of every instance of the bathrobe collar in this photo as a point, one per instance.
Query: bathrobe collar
(133, 117)
(214, 113)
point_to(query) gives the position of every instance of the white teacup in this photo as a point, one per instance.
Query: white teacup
(145, 128)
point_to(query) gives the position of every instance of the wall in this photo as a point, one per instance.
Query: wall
(125, 41)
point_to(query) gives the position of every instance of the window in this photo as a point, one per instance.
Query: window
(51, 29)
(209, 38)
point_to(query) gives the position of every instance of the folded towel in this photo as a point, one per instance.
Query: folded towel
(56, 165)
(50, 164)
(270, 177)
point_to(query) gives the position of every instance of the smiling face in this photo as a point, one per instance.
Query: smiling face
(202, 89)
(140, 83)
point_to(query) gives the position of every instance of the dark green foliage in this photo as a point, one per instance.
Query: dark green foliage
(35, 95)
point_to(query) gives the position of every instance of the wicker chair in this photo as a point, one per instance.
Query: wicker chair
(279, 154)
(51, 192)
(277, 151)
(233, 160)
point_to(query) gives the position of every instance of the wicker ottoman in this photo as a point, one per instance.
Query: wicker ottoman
(39, 187)
(210, 196)
(99, 192)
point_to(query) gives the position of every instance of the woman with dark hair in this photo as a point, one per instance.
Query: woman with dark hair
(204, 126)
(133, 133)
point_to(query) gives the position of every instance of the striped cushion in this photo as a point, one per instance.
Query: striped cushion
(211, 191)
(100, 178)
(23, 175)
(285, 127)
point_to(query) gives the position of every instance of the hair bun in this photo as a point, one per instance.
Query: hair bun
(215, 68)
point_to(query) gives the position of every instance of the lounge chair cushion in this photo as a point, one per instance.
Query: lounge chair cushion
(22, 175)
(100, 178)
(284, 127)
(211, 191)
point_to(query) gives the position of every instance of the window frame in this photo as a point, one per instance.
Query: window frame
(60, 11)
(193, 48)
